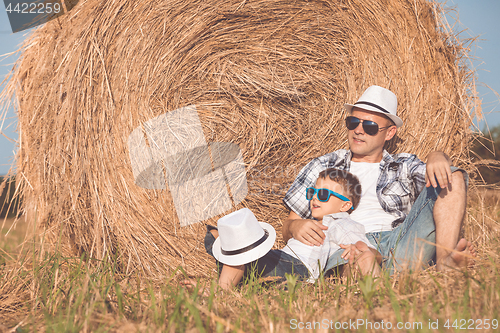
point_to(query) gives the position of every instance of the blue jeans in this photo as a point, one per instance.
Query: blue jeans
(410, 245)
(274, 263)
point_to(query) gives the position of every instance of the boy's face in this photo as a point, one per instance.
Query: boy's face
(333, 205)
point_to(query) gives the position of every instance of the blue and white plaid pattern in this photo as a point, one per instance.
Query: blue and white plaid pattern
(402, 178)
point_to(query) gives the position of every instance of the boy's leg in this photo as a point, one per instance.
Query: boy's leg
(215, 233)
(274, 263)
(210, 237)
(230, 276)
(209, 241)
(278, 263)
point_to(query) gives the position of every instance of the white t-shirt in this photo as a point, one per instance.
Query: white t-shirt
(369, 212)
(341, 230)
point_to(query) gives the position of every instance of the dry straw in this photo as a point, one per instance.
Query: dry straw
(270, 76)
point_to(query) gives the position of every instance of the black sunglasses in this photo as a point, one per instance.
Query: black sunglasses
(370, 127)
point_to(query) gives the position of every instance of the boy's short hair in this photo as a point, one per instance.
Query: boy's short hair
(349, 182)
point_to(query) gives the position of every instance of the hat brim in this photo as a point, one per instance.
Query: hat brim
(397, 121)
(248, 256)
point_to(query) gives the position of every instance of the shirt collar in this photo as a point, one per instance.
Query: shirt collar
(346, 161)
(386, 159)
(339, 215)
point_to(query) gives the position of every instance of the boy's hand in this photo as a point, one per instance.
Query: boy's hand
(309, 232)
(351, 252)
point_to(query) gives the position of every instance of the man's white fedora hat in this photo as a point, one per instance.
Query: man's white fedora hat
(242, 239)
(378, 99)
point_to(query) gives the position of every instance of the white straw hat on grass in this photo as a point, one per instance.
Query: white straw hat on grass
(242, 239)
(378, 99)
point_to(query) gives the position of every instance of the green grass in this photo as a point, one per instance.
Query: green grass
(71, 295)
(54, 293)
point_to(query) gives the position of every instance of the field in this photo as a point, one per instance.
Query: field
(46, 292)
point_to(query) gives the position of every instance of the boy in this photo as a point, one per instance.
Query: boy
(336, 193)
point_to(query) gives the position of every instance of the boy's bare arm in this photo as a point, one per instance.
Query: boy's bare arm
(309, 232)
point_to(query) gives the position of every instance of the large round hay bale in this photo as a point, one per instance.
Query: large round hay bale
(268, 76)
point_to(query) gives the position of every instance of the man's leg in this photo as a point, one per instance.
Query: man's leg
(449, 212)
(436, 211)
(411, 244)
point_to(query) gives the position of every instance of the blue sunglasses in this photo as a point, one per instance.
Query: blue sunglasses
(323, 194)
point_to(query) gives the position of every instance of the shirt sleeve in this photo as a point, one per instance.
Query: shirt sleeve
(417, 170)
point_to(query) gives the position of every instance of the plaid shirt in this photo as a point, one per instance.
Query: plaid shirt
(402, 178)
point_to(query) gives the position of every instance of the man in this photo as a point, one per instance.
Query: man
(406, 205)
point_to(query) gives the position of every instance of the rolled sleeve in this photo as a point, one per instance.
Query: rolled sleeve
(417, 171)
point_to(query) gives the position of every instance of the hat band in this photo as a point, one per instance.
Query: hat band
(374, 105)
(246, 248)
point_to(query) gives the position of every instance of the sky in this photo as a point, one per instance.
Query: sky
(472, 18)
(480, 19)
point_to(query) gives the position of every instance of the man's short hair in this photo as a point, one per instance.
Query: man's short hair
(349, 182)
(391, 122)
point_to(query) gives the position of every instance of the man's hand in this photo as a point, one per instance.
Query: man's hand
(309, 232)
(438, 167)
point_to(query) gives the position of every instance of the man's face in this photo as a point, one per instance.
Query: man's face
(333, 205)
(369, 148)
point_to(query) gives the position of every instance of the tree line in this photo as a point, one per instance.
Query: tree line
(487, 147)
(8, 206)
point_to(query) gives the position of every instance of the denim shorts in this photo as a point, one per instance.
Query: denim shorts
(410, 245)
(274, 263)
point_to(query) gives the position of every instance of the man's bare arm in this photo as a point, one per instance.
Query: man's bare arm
(285, 229)
(309, 232)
